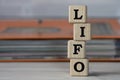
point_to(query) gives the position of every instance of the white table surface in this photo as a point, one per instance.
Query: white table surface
(56, 71)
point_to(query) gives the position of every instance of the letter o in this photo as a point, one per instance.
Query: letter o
(82, 67)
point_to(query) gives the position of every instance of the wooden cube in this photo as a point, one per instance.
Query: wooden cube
(82, 31)
(77, 14)
(79, 67)
(76, 49)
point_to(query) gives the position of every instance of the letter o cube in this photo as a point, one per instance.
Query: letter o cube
(79, 67)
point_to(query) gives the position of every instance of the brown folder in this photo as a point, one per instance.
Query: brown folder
(56, 29)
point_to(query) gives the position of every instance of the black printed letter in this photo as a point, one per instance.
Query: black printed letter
(76, 48)
(76, 14)
(82, 67)
(82, 32)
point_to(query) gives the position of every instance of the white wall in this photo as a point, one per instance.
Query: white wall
(56, 8)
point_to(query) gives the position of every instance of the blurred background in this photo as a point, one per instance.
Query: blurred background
(11, 10)
(39, 9)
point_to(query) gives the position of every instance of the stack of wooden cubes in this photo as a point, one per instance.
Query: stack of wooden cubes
(79, 64)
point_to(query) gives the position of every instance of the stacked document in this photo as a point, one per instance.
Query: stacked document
(44, 49)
